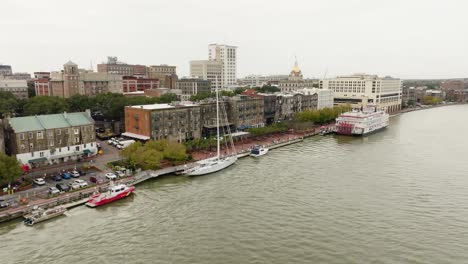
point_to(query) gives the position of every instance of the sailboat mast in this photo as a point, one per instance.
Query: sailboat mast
(217, 118)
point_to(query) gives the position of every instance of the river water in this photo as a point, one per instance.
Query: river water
(397, 196)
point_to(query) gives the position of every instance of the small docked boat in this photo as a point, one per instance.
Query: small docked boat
(115, 192)
(39, 215)
(258, 151)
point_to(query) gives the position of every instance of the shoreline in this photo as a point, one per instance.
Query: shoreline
(242, 146)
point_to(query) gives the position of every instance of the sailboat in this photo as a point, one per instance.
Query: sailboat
(217, 163)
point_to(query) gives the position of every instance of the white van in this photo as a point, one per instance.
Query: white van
(125, 143)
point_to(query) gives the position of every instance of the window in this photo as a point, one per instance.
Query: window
(51, 143)
(41, 154)
(59, 132)
(22, 147)
(77, 140)
(77, 148)
(31, 146)
(31, 135)
(68, 148)
(21, 136)
(51, 134)
(77, 131)
(40, 135)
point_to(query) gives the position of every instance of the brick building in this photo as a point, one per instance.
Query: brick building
(165, 73)
(134, 84)
(174, 122)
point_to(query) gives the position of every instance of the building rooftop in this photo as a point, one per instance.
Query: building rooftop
(164, 106)
(42, 122)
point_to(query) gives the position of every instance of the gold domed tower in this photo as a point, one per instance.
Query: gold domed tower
(296, 73)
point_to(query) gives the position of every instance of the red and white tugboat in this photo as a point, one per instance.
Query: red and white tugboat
(115, 192)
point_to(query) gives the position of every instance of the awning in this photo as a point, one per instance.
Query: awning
(136, 136)
(37, 160)
(87, 151)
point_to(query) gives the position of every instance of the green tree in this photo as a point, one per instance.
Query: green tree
(31, 90)
(8, 103)
(41, 105)
(175, 152)
(267, 89)
(79, 103)
(10, 169)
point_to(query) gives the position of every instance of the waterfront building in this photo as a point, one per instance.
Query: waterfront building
(227, 55)
(207, 70)
(19, 88)
(5, 70)
(192, 86)
(50, 139)
(360, 89)
(72, 81)
(134, 84)
(208, 117)
(295, 81)
(175, 122)
(166, 74)
(324, 96)
(246, 112)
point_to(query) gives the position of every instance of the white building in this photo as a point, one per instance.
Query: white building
(207, 70)
(359, 89)
(18, 88)
(324, 96)
(227, 55)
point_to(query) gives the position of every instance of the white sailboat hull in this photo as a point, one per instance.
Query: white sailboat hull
(210, 166)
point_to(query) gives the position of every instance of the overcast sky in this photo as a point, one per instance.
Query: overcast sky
(402, 38)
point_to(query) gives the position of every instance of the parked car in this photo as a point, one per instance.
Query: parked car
(96, 179)
(74, 185)
(62, 187)
(57, 177)
(81, 172)
(111, 176)
(66, 175)
(39, 181)
(4, 204)
(53, 190)
(120, 174)
(111, 140)
(75, 174)
(80, 182)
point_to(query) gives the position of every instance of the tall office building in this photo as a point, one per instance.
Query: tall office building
(227, 55)
(207, 70)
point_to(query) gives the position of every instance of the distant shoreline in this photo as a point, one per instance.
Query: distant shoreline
(409, 110)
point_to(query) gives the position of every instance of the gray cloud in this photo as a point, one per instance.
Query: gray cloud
(408, 39)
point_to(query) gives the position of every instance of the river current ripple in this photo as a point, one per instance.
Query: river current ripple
(398, 196)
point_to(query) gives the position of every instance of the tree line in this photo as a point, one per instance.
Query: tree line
(110, 105)
(321, 116)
